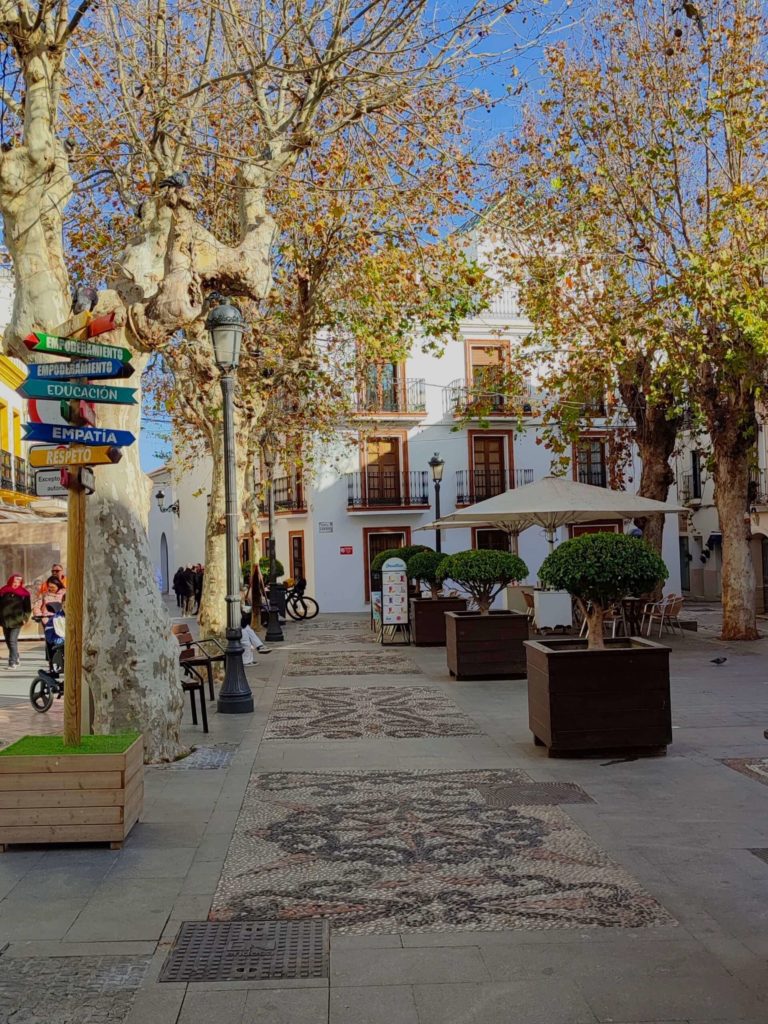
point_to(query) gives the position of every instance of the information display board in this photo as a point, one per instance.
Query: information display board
(394, 593)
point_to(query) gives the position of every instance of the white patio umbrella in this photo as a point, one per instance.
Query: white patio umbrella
(552, 502)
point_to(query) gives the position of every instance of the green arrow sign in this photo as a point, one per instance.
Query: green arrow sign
(81, 349)
(67, 391)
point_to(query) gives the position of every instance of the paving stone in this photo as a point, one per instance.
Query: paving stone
(289, 1006)
(201, 1007)
(519, 1002)
(386, 1004)
(71, 990)
(365, 967)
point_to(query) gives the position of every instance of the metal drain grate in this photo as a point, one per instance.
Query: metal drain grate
(521, 794)
(248, 951)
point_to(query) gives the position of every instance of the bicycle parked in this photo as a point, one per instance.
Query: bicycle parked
(298, 605)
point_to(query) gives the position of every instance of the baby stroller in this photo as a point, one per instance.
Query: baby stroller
(48, 684)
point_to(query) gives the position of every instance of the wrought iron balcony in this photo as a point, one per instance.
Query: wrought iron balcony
(594, 475)
(758, 488)
(373, 488)
(690, 488)
(6, 471)
(288, 493)
(380, 397)
(462, 399)
(23, 476)
(478, 484)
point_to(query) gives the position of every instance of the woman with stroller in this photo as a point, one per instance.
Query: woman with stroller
(15, 611)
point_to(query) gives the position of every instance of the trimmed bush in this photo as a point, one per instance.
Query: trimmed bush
(264, 566)
(599, 569)
(423, 567)
(482, 574)
(404, 553)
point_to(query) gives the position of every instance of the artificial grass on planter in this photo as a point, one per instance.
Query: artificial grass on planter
(52, 746)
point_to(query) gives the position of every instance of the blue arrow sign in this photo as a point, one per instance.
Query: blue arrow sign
(98, 369)
(49, 433)
(103, 393)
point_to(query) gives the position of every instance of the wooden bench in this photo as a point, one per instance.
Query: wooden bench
(192, 657)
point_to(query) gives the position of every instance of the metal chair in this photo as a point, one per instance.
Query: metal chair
(667, 616)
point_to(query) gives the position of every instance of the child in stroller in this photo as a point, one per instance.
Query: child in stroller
(48, 685)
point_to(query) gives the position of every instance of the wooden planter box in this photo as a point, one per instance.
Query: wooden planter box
(599, 701)
(486, 646)
(71, 798)
(428, 618)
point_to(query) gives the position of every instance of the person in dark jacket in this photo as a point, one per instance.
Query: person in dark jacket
(178, 586)
(188, 590)
(15, 610)
(199, 574)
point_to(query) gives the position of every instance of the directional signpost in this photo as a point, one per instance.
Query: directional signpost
(73, 455)
(64, 391)
(104, 393)
(101, 369)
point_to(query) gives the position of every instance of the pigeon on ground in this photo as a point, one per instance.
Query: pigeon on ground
(179, 179)
(719, 661)
(84, 298)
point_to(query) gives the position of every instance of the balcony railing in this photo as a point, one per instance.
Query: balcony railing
(690, 488)
(478, 484)
(594, 475)
(374, 488)
(289, 496)
(6, 471)
(758, 488)
(460, 399)
(23, 476)
(392, 396)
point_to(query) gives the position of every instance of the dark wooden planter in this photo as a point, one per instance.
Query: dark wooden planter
(428, 618)
(599, 701)
(486, 646)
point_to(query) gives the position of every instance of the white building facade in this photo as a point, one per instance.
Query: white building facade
(373, 489)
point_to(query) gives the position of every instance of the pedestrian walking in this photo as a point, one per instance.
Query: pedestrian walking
(57, 570)
(188, 580)
(15, 610)
(178, 586)
(199, 575)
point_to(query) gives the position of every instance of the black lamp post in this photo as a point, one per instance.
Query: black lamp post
(274, 632)
(226, 326)
(173, 507)
(436, 464)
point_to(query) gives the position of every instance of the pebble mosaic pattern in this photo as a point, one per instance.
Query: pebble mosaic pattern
(342, 713)
(378, 852)
(203, 758)
(753, 767)
(69, 990)
(345, 663)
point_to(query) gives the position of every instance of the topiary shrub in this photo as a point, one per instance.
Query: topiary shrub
(264, 566)
(423, 567)
(404, 553)
(600, 569)
(482, 574)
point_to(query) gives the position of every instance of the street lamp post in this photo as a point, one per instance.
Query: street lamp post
(226, 326)
(436, 464)
(274, 632)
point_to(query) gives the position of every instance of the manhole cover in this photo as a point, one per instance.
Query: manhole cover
(521, 794)
(248, 951)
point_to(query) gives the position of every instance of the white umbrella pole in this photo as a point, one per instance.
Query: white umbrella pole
(551, 539)
(514, 538)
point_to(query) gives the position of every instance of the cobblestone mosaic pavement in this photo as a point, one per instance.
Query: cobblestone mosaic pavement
(206, 758)
(69, 990)
(342, 663)
(339, 713)
(379, 852)
(753, 767)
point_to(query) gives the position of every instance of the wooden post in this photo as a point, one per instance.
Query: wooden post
(73, 637)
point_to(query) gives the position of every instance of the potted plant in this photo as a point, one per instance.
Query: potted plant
(484, 644)
(427, 617)
(597, 694)
(405, 553)
(89, 793)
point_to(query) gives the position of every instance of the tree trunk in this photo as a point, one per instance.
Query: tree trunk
(130, 657)
(595, 639)
(731, 473)
(213, 606)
